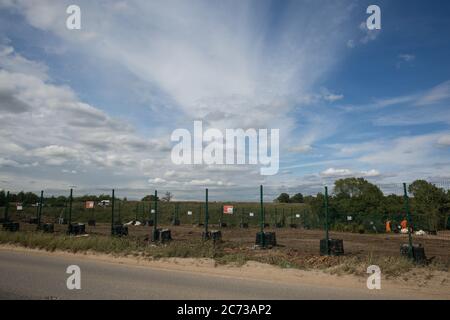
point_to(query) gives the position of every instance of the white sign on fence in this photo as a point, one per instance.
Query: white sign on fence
(189, 213)
(297, 215)
(349, 218)
(153, 211)
(251, 214)
(19, 207)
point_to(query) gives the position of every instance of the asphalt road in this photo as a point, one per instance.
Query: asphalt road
(40, 276)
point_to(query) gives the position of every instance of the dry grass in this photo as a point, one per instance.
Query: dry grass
(222, 253)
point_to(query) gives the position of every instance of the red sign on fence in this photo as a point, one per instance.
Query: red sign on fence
(228, 209)
(89, 205)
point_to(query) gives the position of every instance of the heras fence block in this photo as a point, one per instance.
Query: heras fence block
(418, 252)
(91, 223)
(119, 230)
(11, 226)
(335, 247)
(148, 223)
(279, 225)
(162, 235)
(165, 235)
(244, 225)
(293, 226)
(215, 235)
(46, 228)
(77, 229)
(33, 221)
(176, 222)
(222, 225)
(266, 239)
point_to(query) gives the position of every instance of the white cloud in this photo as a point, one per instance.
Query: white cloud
(435, 95)
(444, 140)
(332, 172)
(407, 57)
(301, 149)
(341, 173)
(156, 181)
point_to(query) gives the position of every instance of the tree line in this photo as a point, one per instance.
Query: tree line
(357, 205)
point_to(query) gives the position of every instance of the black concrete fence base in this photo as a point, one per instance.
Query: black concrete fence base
(418, 252)
(293, 226)
(119, 230)
(76, 229)
(33, 221)
(176, 222)
(11, 226)
(91, 223)
(270, 239)
(46, 228)
(215, 235)
(335, 247)
(162, 235)
(244, 225)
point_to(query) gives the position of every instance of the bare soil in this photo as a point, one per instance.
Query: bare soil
(302, 243)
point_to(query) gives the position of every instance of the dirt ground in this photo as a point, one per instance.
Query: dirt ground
(301, 242)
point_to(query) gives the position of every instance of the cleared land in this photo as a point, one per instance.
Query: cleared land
(297, 247)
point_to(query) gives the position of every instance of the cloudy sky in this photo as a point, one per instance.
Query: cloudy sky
(94, 108)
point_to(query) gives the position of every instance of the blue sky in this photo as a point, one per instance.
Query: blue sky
(95, 107)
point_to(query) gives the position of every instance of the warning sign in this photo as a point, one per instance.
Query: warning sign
(228, 209)
(89, 205)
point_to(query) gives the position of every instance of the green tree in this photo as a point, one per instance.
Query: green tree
(150, 197)
(429, 203)
(283, 198)
(360, 199)
(297, 198)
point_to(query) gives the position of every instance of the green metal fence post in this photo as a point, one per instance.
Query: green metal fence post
(262, 215)
(70, 206)
(6, 217)
(408, 218)
(276, 217)
(155, 222)
(327, 240)
(112, 213)
(206, 213)
(119, 214)
(40, 208)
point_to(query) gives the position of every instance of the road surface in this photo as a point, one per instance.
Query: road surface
(30, 275)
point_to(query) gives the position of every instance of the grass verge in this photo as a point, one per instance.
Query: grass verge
(223, 253)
